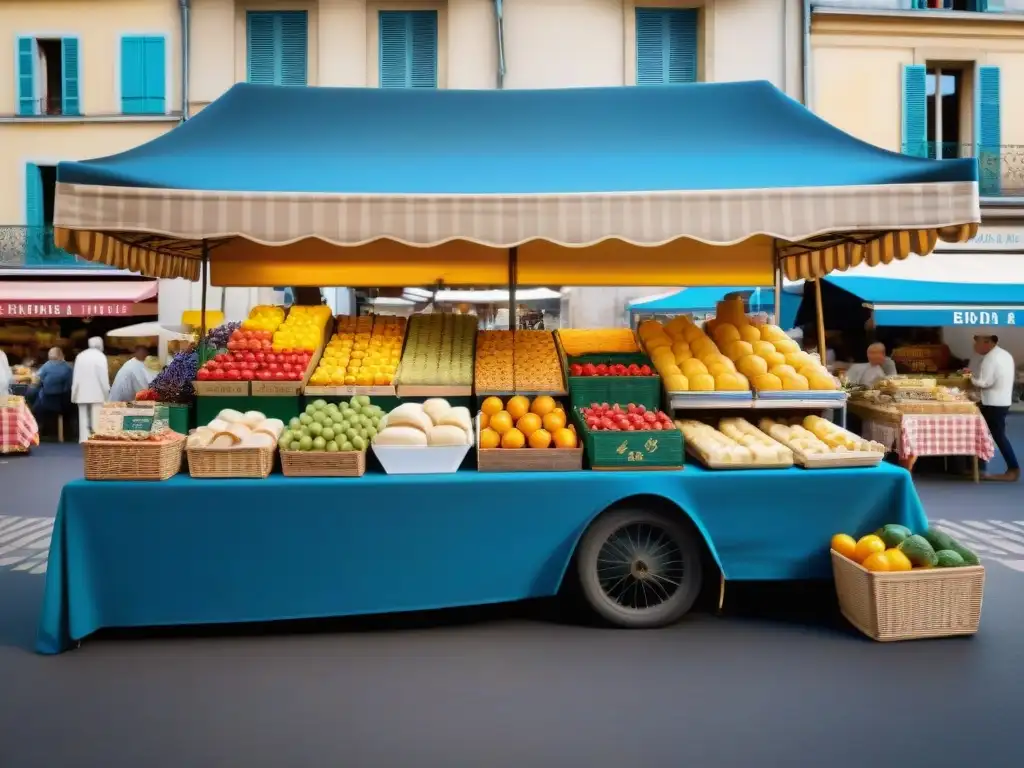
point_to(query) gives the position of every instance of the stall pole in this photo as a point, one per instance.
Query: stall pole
(205, 276)
(778, 293)
(513, 276)
(822, 352)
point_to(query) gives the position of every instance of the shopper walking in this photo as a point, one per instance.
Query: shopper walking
(995, 378)
(90, 387)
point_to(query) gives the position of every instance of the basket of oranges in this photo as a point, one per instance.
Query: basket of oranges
(524, 435)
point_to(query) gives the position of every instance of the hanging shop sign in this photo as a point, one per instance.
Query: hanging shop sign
(55, 309)
(949, 317)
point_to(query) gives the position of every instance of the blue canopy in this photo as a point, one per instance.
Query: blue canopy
(705, 299)
(714, 136)
(922, 303)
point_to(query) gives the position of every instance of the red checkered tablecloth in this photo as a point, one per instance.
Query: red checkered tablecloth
(945, 435)
(18, 428)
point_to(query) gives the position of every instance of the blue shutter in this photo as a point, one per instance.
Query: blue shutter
(70, 95)
(133, 86)
(277, 48)
(666, 46)
(154, 66)
(915, 110)
(27, 104)
(408, 49)
(997, 6)
(33, 215)
(293, 57)
(988, 118)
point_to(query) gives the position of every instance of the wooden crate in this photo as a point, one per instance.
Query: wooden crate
(528, 459)
(221, 388)
(295, 388)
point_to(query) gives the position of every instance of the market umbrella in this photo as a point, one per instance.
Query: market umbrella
(151, 330)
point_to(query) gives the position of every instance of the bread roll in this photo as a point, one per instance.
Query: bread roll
(272, 427)
(458, 416)
(446, 434)
(258, 440)
(435, 408)
(252, 418)
(218, 425)
(231, 416)
(410, 415)
(401, 436)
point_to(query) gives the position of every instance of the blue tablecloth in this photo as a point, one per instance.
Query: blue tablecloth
(215, 551)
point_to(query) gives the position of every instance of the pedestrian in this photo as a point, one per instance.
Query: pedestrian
(6, 376)
(54, 397)
(995, 377)
(90, 387)
(132, 378)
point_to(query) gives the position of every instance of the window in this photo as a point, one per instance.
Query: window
(666, 46)
(40, 195)
(943, 91)
(143, 75)
(408, 49)
(277, 44)
(48, 76)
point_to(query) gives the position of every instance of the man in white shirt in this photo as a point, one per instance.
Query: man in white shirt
(90, 385)
(877, 367)
(995, 378)
(132, 378)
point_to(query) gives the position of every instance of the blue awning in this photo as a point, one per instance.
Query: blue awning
(922, 303)
(740, 165)
(705, 299)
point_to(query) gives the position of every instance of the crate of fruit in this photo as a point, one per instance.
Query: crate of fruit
(893, 585)
(630, 437)
(520, 435)
(613, 378)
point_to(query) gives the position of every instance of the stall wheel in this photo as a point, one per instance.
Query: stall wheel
(639, 569)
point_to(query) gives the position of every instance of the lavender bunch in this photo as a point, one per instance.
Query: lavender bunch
(174, 383)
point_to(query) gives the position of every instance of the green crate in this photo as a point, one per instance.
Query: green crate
(640, 390)
(661, 449)
(179, 417)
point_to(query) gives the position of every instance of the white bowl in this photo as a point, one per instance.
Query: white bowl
(420, 460)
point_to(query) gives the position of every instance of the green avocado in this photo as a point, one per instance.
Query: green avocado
(893, 535)
(919, 552)
(947, 558)
(943, 541)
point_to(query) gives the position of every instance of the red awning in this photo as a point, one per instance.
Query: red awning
(82, 298)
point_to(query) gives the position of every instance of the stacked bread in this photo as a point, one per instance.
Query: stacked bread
(429, 424)
(233, 429)
(736, 442)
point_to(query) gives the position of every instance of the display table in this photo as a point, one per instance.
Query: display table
(915, 435)
(18, 429)
(130, 554)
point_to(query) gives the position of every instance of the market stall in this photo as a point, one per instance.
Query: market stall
(544, 194)
(703, 301)
(19, 432)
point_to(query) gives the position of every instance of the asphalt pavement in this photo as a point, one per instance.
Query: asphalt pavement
(777, 679)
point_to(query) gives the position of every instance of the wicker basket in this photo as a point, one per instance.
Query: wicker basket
(909, 605)
(132, 460)
(323, 464)
(230, 462)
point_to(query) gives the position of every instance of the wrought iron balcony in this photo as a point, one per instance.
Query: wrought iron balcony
(31, 248)
(1000, 169)
(967, 6)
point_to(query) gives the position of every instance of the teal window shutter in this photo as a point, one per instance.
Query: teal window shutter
(996, 6)
(988, 119)
(70, 104)
(27, 104)
(915, 110)
(666, 46)
(34, 212)
(143, 75)
(277, 48)
(408, 49)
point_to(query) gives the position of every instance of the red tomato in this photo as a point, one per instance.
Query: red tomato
(575, 369)
(279, 376)
(217, 375)
(203, 374)
(233, 375)
(248, 375)
(261, 357)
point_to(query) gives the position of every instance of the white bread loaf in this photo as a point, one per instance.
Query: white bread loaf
(410, 415)
(401, 435)
(458, 416)
(447, 434)
(252, 418)
(436, 408)
(258, 440)
(231, 416)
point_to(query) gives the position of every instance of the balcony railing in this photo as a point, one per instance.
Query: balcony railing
(33, 248)
(1000, 169)
(992, 6)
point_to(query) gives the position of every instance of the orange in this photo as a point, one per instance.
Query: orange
(554, 421)
(897, 560)
(866, 546)
(877, 561)
(489, 438)
(500, 422)
(845, 545)
(543, 405)
(513, 438)
(564, 438)
(517, 407)
(491, 406)
(528, 423)
(484, 420)
(541, 438)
